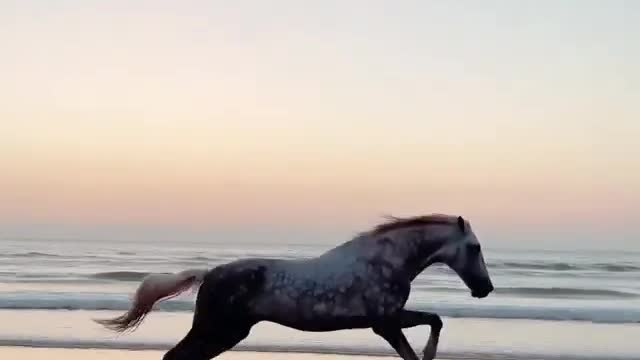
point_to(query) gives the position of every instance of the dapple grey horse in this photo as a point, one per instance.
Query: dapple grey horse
(362, 283)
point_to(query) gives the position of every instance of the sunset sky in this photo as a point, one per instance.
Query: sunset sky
(144, 119)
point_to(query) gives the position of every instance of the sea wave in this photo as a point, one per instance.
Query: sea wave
(565, 292)
(565, 266)
(120, 275)
(538, 292)
(533, 292)
(558, 266)
(550, 265)
(618, 267)
(120, 302)
(32, 254)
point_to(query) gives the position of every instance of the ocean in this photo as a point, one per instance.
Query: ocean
(63, 279)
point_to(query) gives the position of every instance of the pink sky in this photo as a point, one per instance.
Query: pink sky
(205, 116)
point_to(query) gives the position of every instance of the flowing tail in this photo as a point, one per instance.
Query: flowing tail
(154, 288)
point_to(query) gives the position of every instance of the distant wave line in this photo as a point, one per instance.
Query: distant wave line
(225, 257)
(121, 303)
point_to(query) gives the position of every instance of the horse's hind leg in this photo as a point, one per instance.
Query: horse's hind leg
(204, 343)
(216, 327)
(408, 318)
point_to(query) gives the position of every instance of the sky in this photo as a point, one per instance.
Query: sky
(308, 121)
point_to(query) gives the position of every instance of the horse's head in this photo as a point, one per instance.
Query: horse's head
(444, 239)
(463, 253)
(440, 238)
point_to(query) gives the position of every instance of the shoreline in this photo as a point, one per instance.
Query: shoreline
(52, 353)
(161, 347)
(463, 339)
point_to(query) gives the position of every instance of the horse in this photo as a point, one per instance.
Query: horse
(359, 284)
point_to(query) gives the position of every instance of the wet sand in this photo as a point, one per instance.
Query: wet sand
(71, 335)
(29, 353)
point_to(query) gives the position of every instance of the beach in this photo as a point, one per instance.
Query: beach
(479, 339)
(547, 305)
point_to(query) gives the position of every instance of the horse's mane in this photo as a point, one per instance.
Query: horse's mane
(394, 223)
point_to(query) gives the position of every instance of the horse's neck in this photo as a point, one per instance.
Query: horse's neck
(419, 253)
(411, 253)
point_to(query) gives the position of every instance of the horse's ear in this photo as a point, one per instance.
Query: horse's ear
(461, 223)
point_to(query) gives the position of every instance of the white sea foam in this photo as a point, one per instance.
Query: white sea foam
(121, 302)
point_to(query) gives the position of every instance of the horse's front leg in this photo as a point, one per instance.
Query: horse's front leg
(392, 333)
(410, 318)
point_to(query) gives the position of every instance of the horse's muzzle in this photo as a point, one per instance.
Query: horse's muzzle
(482, 293)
